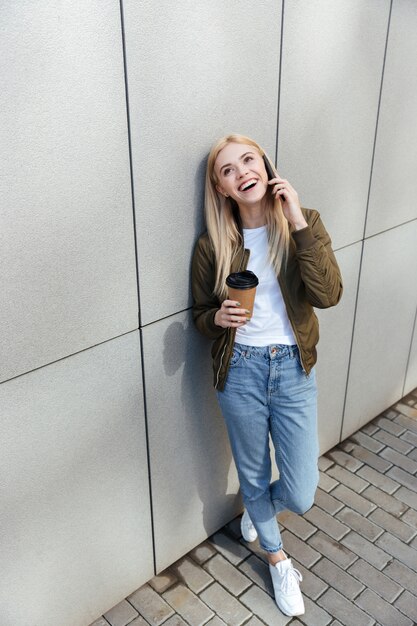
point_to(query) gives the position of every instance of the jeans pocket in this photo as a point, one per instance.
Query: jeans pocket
(236, 357)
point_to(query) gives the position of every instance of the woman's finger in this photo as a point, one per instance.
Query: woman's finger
(237, 312)
(278, 186)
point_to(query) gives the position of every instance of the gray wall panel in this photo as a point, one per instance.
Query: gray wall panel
(68, 277)
(196, 71)
(394, 180)
(383, 325)
(331, 72)
(334, 349)
(193, 476)
(411, 377)
(75, 514)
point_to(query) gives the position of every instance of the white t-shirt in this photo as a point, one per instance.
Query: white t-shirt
(269, 323)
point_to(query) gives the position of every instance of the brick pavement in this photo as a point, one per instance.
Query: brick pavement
(356, 548)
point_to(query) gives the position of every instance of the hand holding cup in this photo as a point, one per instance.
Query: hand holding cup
(229, 315)
(242, 288)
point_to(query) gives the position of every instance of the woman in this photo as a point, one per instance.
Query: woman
(263, 367)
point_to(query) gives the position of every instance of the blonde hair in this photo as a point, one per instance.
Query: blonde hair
(223, 220)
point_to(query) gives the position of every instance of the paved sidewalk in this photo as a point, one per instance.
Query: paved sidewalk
(356, 547)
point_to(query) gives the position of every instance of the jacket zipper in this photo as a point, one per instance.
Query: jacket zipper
(227, 341)
(297, 338)
(220, 366)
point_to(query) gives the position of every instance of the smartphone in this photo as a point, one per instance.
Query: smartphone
(268, 167)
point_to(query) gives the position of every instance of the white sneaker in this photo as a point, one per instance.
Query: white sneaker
(248, 530)
(286, 580)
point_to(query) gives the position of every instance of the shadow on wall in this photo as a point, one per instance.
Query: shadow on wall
(206, 450)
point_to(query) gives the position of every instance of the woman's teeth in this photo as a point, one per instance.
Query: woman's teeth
(248, 185)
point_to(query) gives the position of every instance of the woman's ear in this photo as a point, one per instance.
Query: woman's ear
(220, 190)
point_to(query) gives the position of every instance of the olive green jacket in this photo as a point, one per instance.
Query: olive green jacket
(310, 278)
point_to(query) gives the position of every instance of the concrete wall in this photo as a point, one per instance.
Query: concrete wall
(115, 460)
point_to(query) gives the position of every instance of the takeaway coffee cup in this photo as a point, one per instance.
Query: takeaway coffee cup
(242, 287)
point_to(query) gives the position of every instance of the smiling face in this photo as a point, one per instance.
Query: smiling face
(241, 174)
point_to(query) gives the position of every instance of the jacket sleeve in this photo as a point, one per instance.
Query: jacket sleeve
(205, 302)
(318, 266)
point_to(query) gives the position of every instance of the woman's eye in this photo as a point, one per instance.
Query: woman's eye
(248, 158)
(226, 171)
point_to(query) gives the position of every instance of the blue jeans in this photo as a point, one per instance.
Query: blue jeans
(268, 393)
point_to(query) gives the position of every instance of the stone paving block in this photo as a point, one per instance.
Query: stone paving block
(227, 575)
(192, 575)
(390, 413)
(233, 527)
(404, 478)
(314, 615)
(334, 550)
(348, 478)
(139, 621)
(324, 463)
(341, 608)
(371, 459)
(361, 524)
(410, 518)
(409, 424)
(366, 442)
(188, 605)
(378, 480)
(327, 502)
(326, 482)
(381, 611)
(264, 607)
(258, 572)
(311, 585)
(413, 454)
(384, 501)
(410, 437)
(225, 605)
(326, 522)
(409, 399)
(407, 603)
(347, 446)
(393, 525)
(402, 575)
(398, 549)
(203, 552)
(298, 549)
(256, 549)
(376, 580)
(353, 500)
(163, 581)
(366, 550)
(150, 605)
(121, 614)
(100, 622)
(399, 460)
(231, 549)
(389, 426)
(408, 497)
(296, 524)
(254, 621)
(413, 543)
(393, 442)
(369, 429)
(338, 579)
(175, 620)
(408, 411)
(216, 621)
(344, 459)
